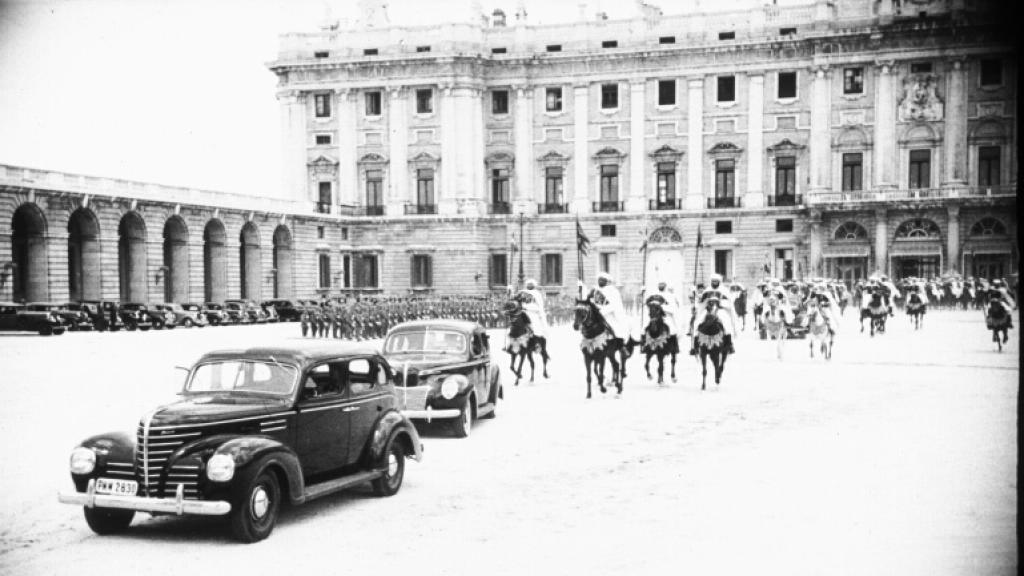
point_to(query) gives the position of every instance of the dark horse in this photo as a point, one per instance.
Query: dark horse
(916, 309)
(710, 340)
(599, 344)
(997, 319)
(522, 341)
(657, 340)
(875, 310)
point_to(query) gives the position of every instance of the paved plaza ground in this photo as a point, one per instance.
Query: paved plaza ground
(898, 456)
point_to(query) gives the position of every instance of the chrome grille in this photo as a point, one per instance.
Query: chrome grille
(120, 470)
(151, 454)
(414, 398)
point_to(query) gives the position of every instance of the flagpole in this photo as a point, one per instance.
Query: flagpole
(643, 281)
(579, 260)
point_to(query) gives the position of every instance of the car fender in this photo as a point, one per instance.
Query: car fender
(115, 446)
(390, 423)
(247, 450)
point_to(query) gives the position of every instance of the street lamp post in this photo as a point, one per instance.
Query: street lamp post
(522, 248)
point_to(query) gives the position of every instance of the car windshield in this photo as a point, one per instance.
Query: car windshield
(243, 377)
(426, 341)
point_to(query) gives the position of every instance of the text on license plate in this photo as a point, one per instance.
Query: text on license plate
(116, 487)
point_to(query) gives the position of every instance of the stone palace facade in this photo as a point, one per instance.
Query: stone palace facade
(832, 139)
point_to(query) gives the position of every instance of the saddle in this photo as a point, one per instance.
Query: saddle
(711, 326)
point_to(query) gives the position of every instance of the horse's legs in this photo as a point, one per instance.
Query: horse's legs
(812, 347)
(616, 374)
(587, 362)
(720, 367)
(544, 354)
(599, 370)
(703, 369)
(673, 367)
(661, 369)
(647, 363)
(519, 371)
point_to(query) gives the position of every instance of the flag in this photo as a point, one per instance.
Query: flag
(643, 247)
(582, 242)
(700, 238)
(767, 268)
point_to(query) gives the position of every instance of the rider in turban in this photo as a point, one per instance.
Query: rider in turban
(725, 311)
(533, 304)
(609, 303)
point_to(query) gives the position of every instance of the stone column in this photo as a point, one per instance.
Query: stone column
(348, 177)
(821, 146)
(695, 145)
(754, 198)
(398, 149)
(293, 138)
(636, 201)
(523, 175)
(478, 175)
(451, 128)
(953, 261)
(955, 139)
(881, 241)
(884, 159)
(815, 244)
(581, 149)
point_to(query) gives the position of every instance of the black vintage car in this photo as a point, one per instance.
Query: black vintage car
(99, 313)
(285, 309)
(253, 429)
(215, 313)
(73, 320)
(14, 316)
(446, 371)
(157, 319)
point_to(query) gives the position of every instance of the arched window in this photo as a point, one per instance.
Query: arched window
(665, 235)
(988, 226)
(851, 231)
(918, 229)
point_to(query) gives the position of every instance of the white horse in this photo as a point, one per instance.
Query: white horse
(774, 319)
(818, 330)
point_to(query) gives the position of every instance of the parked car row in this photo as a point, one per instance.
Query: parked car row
(54, 318)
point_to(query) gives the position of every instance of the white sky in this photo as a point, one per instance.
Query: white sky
(177, 91)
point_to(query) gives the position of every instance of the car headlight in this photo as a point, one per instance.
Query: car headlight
(220, 468)
(450, 386)
(83, 460)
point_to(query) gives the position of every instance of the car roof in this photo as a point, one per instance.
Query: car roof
(302, 354)
(461, 325)
(11, 304)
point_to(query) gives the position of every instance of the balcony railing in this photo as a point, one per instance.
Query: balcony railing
(323, 207)
(501, 208)
(785, 200)
(421, 208)
(552, 208)
(670, 204)
(372, 210)
(725, 202)
(608, 206)
(912, 194)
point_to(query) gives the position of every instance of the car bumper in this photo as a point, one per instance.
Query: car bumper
(177, 505)
(432, 414)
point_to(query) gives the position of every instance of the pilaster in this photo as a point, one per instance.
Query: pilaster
(821, 148)
(881, 241)
(523, 127)
(451, 127)
(884, 160)
(348, 180)
(695, 145)
(398, 148)
(955, 139)
(754, 197)
(953, 238)
(636, 201)
(815, 244)
(293, 131)
(581, 153)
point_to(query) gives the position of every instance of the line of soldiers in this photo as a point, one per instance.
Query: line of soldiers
(369, 318)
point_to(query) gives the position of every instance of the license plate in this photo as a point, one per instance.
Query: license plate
(116, 487)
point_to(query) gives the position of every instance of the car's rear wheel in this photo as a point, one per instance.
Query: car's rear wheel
(188, 323)
(464, 423)
(45, 331)
(254, 512)
(391, 481)
(108, 520)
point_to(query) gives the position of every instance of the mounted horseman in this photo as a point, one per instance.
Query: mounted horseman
(998, 317)
(661, 335)
(725, 312)
(601, 320)
(528, 328)
(917, 305)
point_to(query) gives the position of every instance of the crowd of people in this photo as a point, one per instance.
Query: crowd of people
(367, 318)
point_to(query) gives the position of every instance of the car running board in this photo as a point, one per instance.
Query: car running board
(338, 484)
(484, 410)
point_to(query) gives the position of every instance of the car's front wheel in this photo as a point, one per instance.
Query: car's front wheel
(108, 520)
(464, 423)
(391, 481)
(188, 323)
(254, 512)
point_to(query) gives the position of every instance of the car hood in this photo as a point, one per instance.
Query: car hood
(215, 408)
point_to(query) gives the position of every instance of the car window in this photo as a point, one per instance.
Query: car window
(322, 380)
(362, 375)
(243, 376)
(478, 346)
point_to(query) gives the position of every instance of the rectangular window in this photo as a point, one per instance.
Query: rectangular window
(608, 230)
(609, 96)
(370, 52)
(726, 88)
(723, 227)
(375, 189)
(553, 99)
(554, 47)
(784, 263)
(323, 204)
(787, 31)
(853, 81)
(373, 103)
(988, 166)
(920, 67)
(325, 271)
(421, 271)
(499, 187)
(499, 102)
(609, 183)
(725, 181)
(423, 48)
(553, 186)
(320, 232)
(787, 85)
(322, 103)
(853, 172)
(346, 271)
(366, 273)
(552, 272)
(425, 187)
(723, 263)
(499, 50)
(666, 184)
(424, 101)
(784, 225)
(730, 35)
(606, 263)
(610, 44)
(344, 232)
(785, 176)
(498, 275)
(991, 72)
(920, 168)
(667, 40)
(323, 139)
(666, 92)
(321, 54)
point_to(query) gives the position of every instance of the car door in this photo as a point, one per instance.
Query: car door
(479, 355)
(323, 422)
(366, 378)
